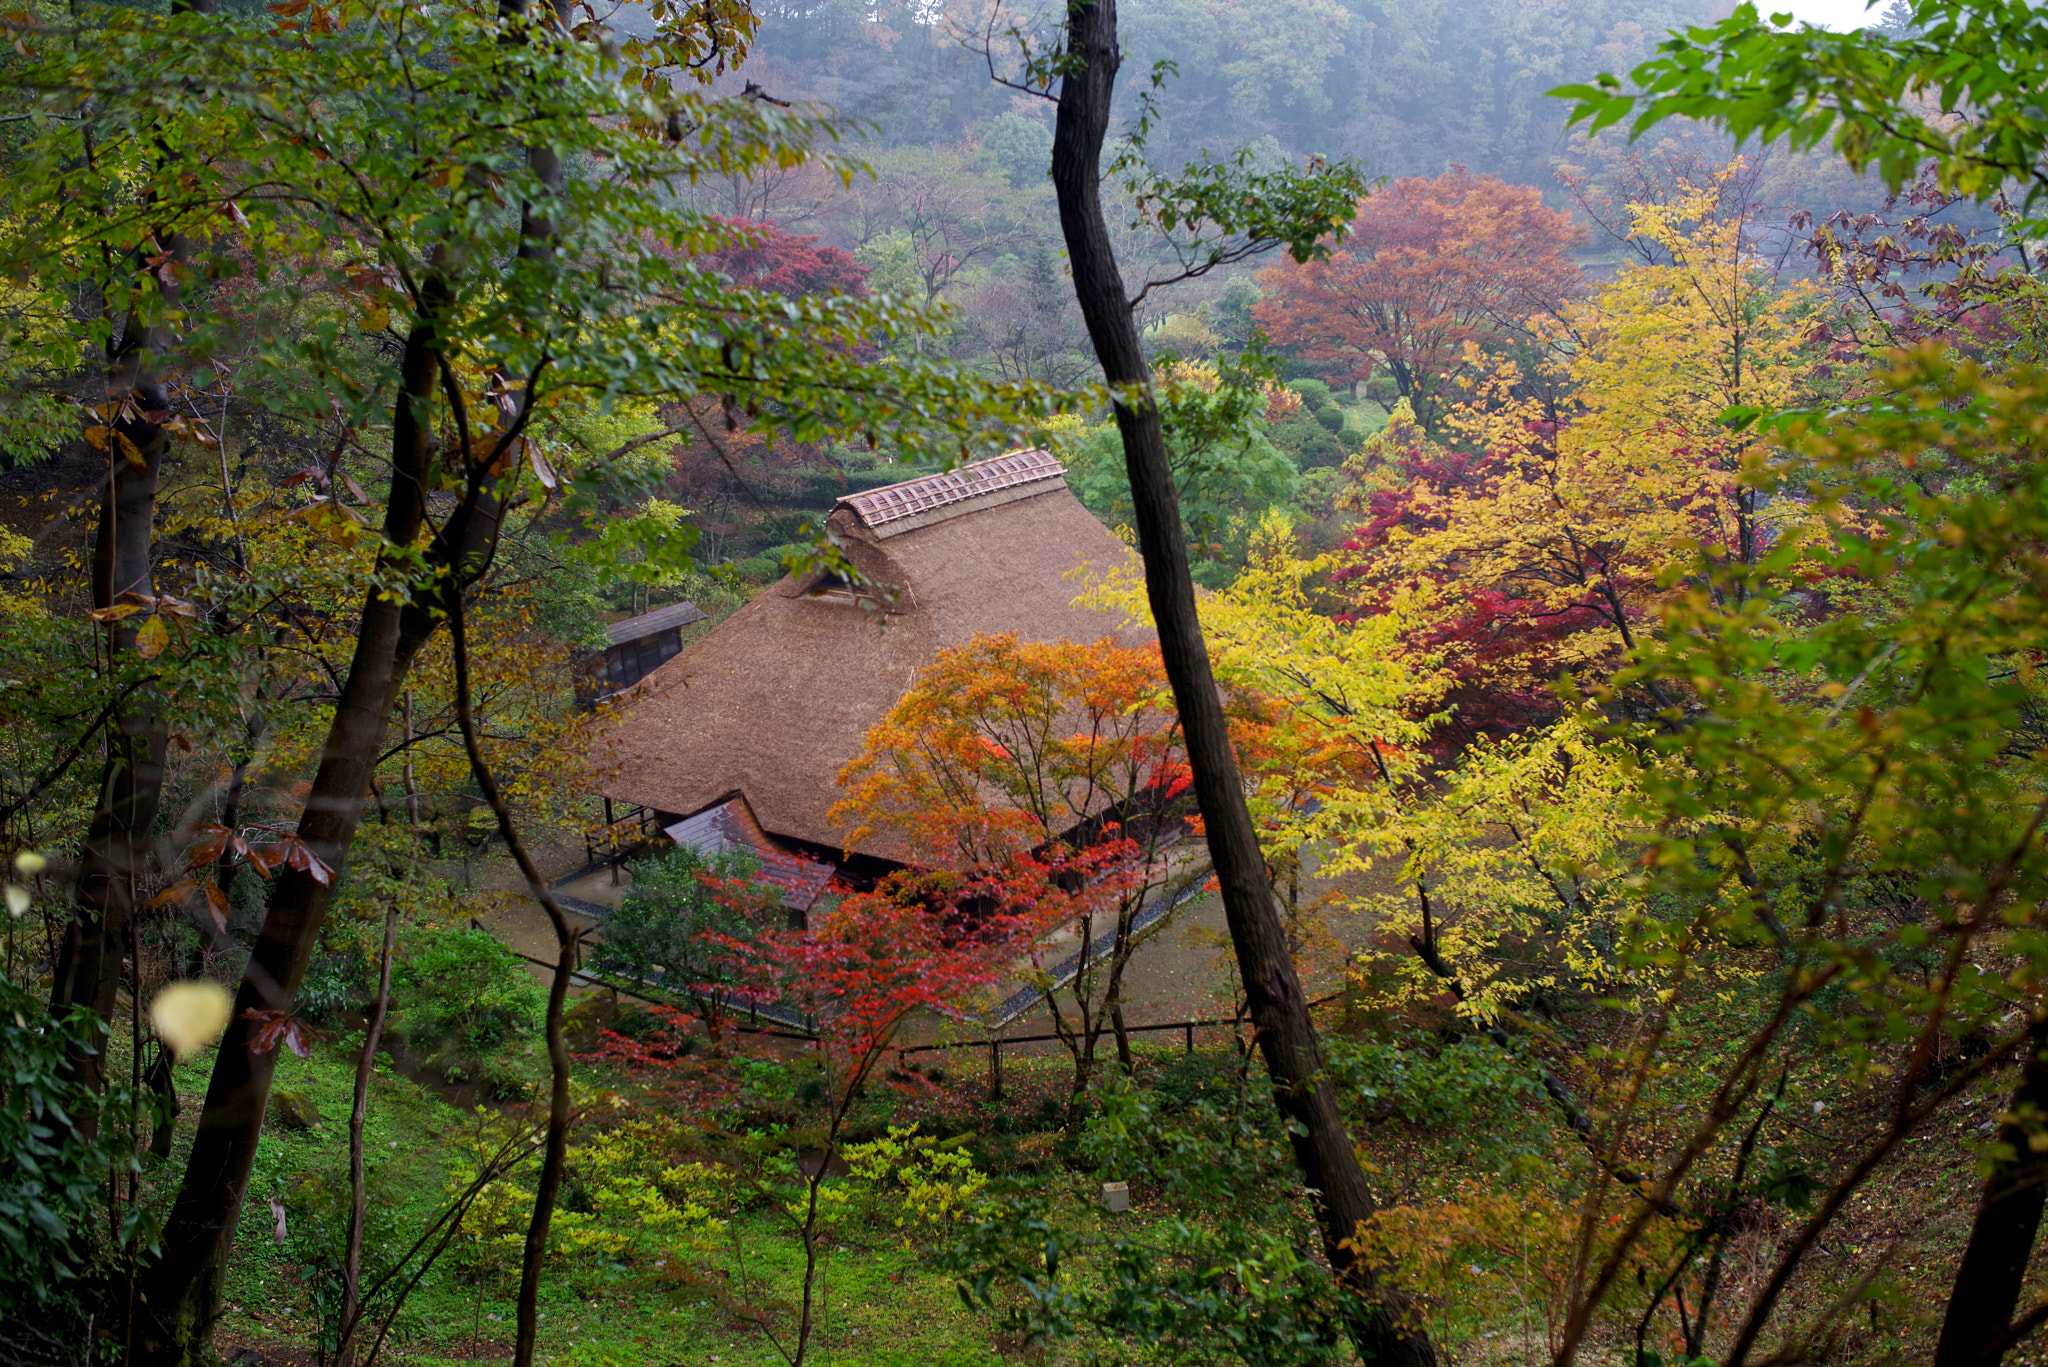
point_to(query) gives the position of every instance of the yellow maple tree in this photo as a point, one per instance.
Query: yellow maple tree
(1577, 518)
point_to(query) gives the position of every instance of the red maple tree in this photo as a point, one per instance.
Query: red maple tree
(861, 965)
(764, 257)
(1501, 651)
(1430, 265)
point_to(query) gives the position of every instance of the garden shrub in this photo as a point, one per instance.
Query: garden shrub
(628, 1179)
(675, 929)
(466, 1005)
(1472, 1091)
(1190, 1077)
(758, 569)
(488, 1244)
(1235, 1283)
(335, 983)
(1305, 439)
(1315, 394)
(921, 1185)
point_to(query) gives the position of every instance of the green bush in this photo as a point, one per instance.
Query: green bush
(1330, 419)
(335, 983)
(1314, 393)
(1308, 443)
(1207, 1076)
(467, 1006)
(670, 929)
(52, 1184)
(1234, 1285)
(1471, 1091)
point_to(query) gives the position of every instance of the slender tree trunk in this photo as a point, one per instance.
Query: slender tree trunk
(412, 788)
(555, 1153)
(116, 854)
(1286, 1032)
(226, 869)
(163, 1085)
(358, 1186)
(182, 1293)
(1994, 1267)
(537, 241)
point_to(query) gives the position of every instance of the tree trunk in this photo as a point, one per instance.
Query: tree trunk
(116, 853)
(554, 1156)
(182, 1291)
(1279, 1010)
(162, 1085)
(1994, 1267)
(358, 1182)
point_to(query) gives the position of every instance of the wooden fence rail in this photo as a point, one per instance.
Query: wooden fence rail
(994, 1044)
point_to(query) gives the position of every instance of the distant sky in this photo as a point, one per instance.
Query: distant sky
(1834, 14)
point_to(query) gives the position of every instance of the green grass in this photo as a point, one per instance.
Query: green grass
(1364, 418)
(880, 1306)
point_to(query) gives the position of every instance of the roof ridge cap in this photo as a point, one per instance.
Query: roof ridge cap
(876, 508)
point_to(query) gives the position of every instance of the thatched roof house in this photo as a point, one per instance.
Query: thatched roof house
(772, 702)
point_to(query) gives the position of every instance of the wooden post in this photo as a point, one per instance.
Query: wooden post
(1191, 1036)
(611, 841)
(995, 1070)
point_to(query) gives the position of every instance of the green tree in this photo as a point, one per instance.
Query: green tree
(1947, 81)
(676, 925)
(1227, 471)
(1020, 148)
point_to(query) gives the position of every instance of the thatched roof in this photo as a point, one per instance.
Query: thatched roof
(775, 700)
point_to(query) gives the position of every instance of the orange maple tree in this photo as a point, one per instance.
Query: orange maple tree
(1054, 772)
(1430, 265)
